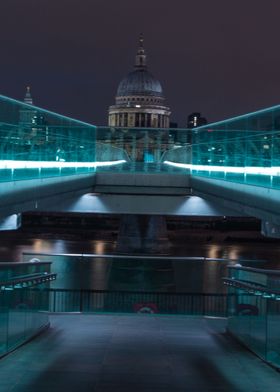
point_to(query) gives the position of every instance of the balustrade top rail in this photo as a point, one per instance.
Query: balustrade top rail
(262, 271)
(244, 149)
(43, 256)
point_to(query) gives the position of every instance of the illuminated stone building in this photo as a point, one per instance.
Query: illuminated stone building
(27, 115)
(196, 120)
(32, 131)
(29, 118)
(139, 101)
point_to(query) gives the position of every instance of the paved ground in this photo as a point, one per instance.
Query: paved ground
(135, 353)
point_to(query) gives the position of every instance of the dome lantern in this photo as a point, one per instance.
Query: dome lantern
(141, 58)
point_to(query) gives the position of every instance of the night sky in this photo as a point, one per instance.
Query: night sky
(219, 57)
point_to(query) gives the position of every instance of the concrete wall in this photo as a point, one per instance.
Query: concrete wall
(142, 183)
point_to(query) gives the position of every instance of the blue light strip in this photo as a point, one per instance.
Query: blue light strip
(268, 171)
(10, 164)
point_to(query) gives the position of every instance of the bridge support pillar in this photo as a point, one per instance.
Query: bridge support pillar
(270, 229)
(143, 234)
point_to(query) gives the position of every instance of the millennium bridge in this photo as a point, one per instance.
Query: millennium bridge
(51, 162)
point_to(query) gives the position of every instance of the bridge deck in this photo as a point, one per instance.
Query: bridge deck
(135, 353)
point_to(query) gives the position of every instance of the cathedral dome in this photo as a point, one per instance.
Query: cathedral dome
(140, 82)
(139, 102)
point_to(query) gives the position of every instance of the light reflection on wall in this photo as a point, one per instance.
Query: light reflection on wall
(99, 247)
(59, 247)
(99, 273)
(218, 251)
(213, 270)
(213, 252)
(40, 245)
(212, 282)
(233, 254)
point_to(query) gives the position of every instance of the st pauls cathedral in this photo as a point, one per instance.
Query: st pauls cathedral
(139, 101)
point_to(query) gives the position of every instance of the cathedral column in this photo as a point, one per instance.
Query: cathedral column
(161, 120)
(146, 121)
(118, 120)
(140, 119)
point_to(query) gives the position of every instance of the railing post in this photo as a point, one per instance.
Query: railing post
(133, 152)
(81, 301)
(54, 301)
(121, 146)
(146, 151)
(157, 153)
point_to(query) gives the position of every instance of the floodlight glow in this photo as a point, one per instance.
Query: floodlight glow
(10, 164)
(269, 171)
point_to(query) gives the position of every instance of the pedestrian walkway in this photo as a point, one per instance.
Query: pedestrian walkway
(121, 353)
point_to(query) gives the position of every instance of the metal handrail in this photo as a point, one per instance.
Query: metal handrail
(27, 280)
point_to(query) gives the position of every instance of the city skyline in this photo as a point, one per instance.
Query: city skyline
(218, 59)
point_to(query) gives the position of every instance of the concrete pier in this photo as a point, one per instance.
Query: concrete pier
(145, 234)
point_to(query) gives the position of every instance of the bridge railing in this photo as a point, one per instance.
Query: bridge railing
(143, 149)
(30, 133)
(110, 301)
(243, 149)
(36, 143)
(255, 320)
(23, 309)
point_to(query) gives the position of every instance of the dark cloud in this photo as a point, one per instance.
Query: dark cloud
(218, 57)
